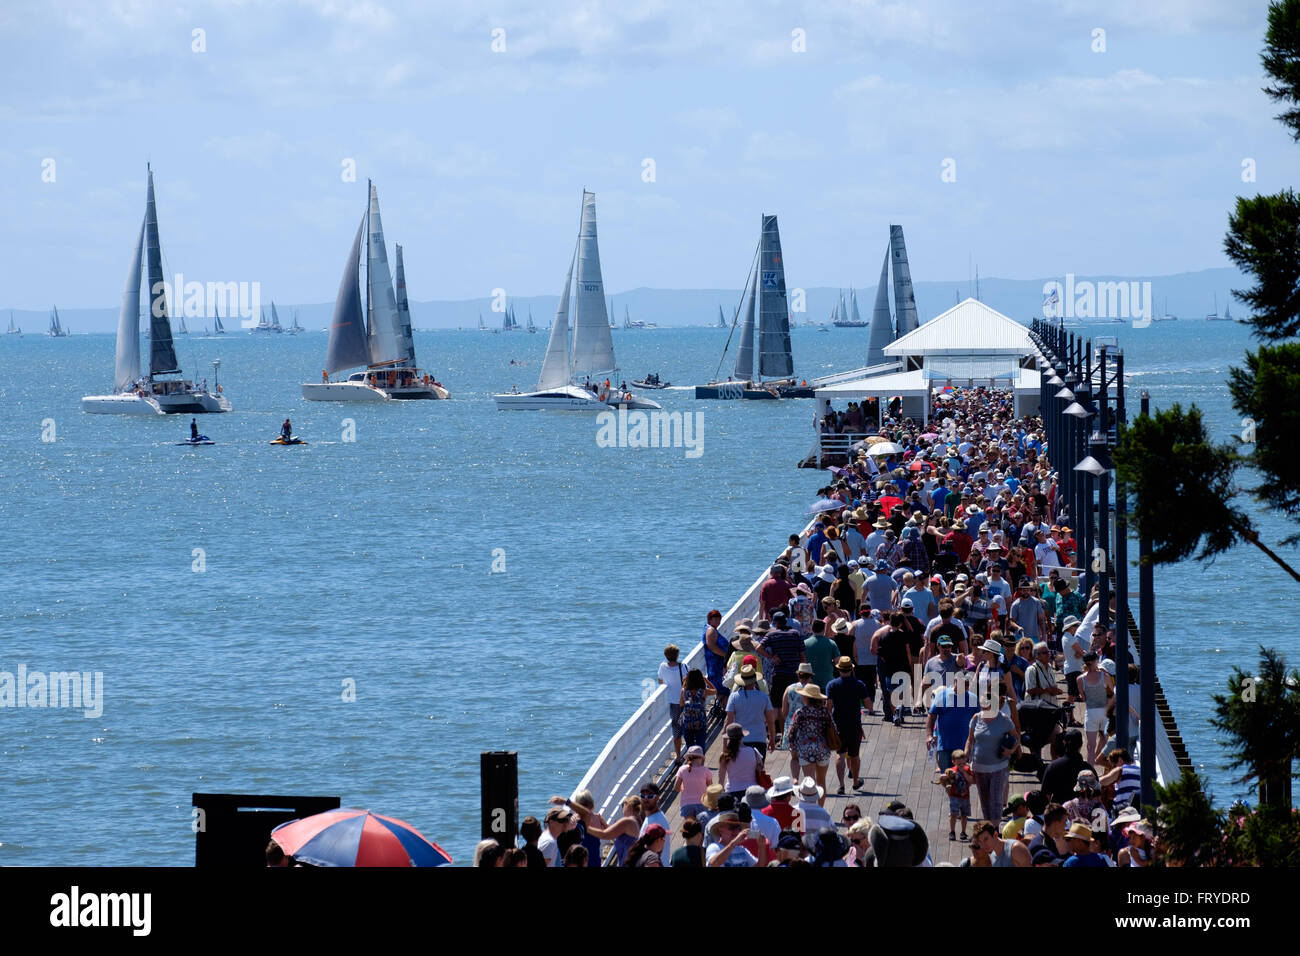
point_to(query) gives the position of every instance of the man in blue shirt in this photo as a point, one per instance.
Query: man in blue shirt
(1079, 838)
(880, 588)
(817, 541)
(950, 716)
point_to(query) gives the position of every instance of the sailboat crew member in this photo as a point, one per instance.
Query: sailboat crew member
(286, 430)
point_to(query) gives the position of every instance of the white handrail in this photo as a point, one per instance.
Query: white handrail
(644, 743)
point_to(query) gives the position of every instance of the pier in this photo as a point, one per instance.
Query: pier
(1022, 363)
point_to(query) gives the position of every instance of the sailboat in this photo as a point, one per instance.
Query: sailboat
(849, 317)
(295, 328)
(183, 329)
(571, 374)
(217, 327)
(508, 323)
(1166, 317)
(380, 337)
(1214, 316)
(532, 329)
(57, 331)
(722, 320)
(482, 327)
(133, 393)
(764, 302)
(275, 320)
(13, 329)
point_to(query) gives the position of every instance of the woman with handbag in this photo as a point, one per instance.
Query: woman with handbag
(812, 734)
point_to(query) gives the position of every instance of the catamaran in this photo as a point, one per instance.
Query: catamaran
(378, 338)
(571, 377)
(153, 394)
(764, 296)
(57, 331)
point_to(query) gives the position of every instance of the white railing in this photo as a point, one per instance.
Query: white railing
(645, 743)
(854, 374)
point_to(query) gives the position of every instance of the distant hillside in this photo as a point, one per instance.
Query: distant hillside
(1187, 295)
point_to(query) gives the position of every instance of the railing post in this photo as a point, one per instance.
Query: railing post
(1121, 574)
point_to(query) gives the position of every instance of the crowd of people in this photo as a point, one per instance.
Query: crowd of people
(937, 584)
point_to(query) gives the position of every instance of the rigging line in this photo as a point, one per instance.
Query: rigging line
(736, 315)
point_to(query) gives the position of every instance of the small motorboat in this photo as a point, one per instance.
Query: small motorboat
(295, 440)
(652, 382)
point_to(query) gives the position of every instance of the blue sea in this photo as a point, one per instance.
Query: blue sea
(233, 596)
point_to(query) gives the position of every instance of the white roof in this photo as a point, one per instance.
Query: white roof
(914, 383)
(968, 327)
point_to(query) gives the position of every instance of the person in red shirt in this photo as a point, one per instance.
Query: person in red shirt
(775, 592)
(779, 807)
(960, 540)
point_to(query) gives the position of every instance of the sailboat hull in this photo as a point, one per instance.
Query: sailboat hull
(126, 404)
(193, 403)
(343, 392)
(568, 399)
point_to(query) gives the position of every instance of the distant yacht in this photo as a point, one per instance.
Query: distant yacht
(57, 331)
(378, 338)
(183, 329)
(766, 325)
(532, 329)
(217, 327)
(13, 329)
(133, 393)
(1214, 316)
(1166, 316)
(722, 321)
(295, 328)
(571, 373)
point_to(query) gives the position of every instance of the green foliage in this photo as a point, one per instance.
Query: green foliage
(1180, 485)
(1281, 60)
(1264, 241)
(1268, 392)
(1262, 838)
(1260, 715)
(1189, 827)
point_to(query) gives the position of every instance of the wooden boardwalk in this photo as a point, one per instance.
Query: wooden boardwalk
(895, 766)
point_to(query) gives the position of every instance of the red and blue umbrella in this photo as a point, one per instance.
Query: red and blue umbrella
(357, 838)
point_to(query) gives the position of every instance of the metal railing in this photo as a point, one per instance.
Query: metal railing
(644, 744)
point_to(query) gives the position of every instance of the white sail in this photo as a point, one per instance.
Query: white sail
(385, 334)
(904, 298)
(854, 314)
(593, 347)
(126, 365)
(882, 327)
(555, 367)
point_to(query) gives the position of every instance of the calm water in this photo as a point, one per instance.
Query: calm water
(370, 562)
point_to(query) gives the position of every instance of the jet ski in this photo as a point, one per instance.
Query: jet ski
(295, 440)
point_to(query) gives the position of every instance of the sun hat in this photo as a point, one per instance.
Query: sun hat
(695, 751)
(826, 845)
(844, 664)
(809, 790)
(906, 602)
(992, 646)
(804, 669)
(1070, 622)
(733, 818)
(557, 813)
(811, 691)
(756, 797)
(711, 794)
(735, 730)
(841, 626)
(1125, 816)
(1086, 782)
(780, 787)
(1143, 827)
(762, 627)
(1079, 831)
(1108, 666)
(748, 673)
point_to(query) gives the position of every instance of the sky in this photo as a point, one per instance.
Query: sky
(1012, 136)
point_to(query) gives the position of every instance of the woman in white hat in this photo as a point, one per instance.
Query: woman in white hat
(811, 733)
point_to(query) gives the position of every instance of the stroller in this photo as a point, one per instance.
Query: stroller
(1039, 719)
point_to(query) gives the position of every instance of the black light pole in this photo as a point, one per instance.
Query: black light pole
(1103, 492)
(1121, 572)
(1147, 668)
